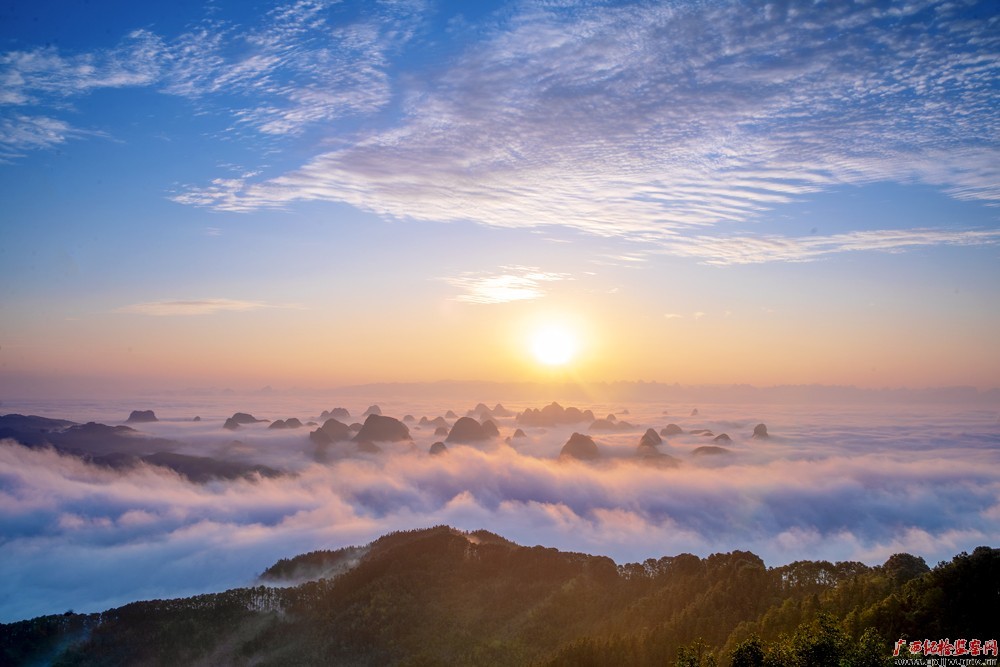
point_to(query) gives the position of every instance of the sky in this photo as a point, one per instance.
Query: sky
(314, 194)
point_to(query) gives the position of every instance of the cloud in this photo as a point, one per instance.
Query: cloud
(662, 123)
(304, 63)
(761, 249)
(44, 75)
(649, 121)
(300, 67)
(193, 307)
(514, 283)
(21, 133)
(831, 483)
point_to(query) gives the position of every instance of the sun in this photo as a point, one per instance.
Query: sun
(553, 346)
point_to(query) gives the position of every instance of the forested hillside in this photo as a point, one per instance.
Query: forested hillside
(440, 596)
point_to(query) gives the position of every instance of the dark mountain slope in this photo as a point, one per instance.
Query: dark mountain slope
(439, 596)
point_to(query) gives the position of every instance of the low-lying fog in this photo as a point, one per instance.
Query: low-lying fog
(833, 484)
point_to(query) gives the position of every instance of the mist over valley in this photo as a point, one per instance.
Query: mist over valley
(99, 514)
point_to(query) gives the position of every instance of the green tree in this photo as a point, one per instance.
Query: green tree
(749, 653)
(698, 654)
(871, 650)
(820, 643)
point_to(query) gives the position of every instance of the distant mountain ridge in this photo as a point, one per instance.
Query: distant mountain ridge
(639, 391)
(627, 390)
(121, 447)
(440, 596)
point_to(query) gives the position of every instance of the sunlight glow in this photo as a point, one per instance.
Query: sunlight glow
(553, 346)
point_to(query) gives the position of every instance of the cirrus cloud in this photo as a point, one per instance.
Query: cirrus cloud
(651, 120)
(194, 307)
(663, 123)
(760, 249)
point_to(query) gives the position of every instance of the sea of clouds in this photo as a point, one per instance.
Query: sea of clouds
(839, 483)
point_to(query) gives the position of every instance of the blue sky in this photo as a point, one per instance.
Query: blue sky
(706, 191)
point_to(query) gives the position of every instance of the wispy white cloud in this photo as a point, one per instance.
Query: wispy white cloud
(647, 121)
(21, 133)
(210, 194)
(761, 249)
(297, 69)
(39, 75)
(301, 65)
(512, 283)
(194, 307)
(304, 64)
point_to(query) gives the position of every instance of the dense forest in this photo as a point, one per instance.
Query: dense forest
(443, 597)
